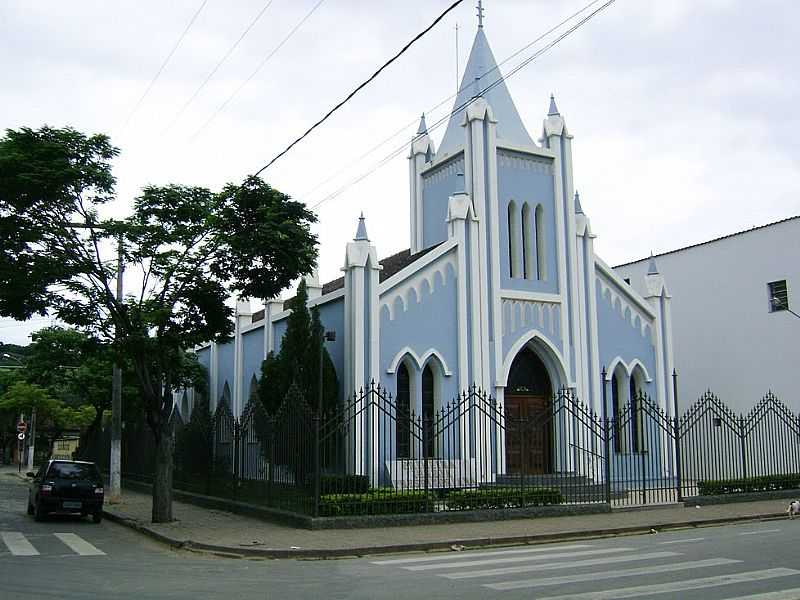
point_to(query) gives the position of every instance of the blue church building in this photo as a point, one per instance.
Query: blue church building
(500, 287)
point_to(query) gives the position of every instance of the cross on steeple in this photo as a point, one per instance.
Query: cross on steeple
(480, 13)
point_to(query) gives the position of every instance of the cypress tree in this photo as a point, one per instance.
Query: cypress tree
(298, 360)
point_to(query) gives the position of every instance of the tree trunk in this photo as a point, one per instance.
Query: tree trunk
(162, 479)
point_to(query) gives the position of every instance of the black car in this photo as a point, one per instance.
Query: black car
(66, 486)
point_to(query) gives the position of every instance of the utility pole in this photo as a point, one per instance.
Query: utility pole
(32, 434)
(115, 461)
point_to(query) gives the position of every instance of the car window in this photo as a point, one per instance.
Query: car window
(73, 471)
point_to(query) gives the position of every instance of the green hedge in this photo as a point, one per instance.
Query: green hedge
(375, 502)
(502, 497)
(766, 483)
(343, 484)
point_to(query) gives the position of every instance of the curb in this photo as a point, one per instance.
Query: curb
(322, 553)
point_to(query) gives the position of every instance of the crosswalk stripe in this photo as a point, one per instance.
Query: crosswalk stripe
(590, 562)
(679, 586)
(79, 545)
(792, 594)
(652, 570)
(515, 559)
(686, 541)
(18, 544)
(450, 556)
(759, 532)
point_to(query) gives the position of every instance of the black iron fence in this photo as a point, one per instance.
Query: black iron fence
(371, 456)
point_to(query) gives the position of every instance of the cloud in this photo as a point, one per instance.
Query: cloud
(684, 112)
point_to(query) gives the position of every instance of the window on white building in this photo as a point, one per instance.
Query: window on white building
(778, 295)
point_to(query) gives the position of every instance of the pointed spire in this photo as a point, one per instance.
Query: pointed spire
(482, 77)
(361, 232)
(423, 128)
(578, 207)
(553, 111)
(652, 268)
(480, 14)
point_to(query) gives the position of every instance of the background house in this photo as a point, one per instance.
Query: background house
(728, 333)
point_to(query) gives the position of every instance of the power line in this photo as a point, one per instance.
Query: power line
(446, 100)
(217, 66)
(462, 106)
(164, 64)
(257, 69)
(360, 87)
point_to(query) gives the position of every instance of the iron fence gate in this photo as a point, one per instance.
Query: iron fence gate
(373, 454)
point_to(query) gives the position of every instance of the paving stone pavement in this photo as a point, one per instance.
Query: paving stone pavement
(219, 528)
(222, 530)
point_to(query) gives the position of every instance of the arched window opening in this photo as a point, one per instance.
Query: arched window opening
(637, 413)
(428, 411)
(253, 394)
(513, 240)
(527, 245)
(403, 413)
(616, 413)
(541, 265)
(619, 409)
(226, 395)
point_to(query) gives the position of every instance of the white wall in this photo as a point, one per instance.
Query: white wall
(725, 338)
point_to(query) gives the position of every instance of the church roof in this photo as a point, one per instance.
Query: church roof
(480, 74)
(724, 237)
(391, 265)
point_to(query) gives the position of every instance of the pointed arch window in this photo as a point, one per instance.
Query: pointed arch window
(403, 413)
(428, 411)
(541, 265)
(637, 412)
(527, 242)
(513, 240)
(616, 413)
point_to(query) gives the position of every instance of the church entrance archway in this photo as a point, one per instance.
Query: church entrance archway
(529, 435)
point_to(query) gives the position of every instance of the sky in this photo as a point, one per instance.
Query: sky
(684, 112)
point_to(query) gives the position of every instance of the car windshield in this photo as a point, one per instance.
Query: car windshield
(73, 471)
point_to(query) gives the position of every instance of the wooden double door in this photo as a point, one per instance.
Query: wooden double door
(528, 434)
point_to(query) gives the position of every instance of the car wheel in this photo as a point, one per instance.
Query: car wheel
(39, 513)
(97, 517)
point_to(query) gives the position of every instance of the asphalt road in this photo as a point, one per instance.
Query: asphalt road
(67, 557)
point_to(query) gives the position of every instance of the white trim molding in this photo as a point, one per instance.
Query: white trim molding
(524, 340)
(418, 360)
(530, 296)
(629, 367)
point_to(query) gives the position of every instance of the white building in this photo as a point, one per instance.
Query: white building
(729, 335)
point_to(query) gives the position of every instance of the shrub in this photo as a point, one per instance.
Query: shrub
(343, 484)
(764, 483)
(374, 502)
(502, 497)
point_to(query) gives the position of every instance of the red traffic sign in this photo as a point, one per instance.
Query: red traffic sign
(22, 427)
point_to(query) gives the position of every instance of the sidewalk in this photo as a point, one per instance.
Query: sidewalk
(197, 528)
(218, 531)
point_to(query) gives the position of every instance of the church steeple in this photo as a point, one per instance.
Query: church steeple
(423, 127)
(483, 78)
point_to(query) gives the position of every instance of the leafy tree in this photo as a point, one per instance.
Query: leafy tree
(76, 369)
(297, 362)
(192, 249)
